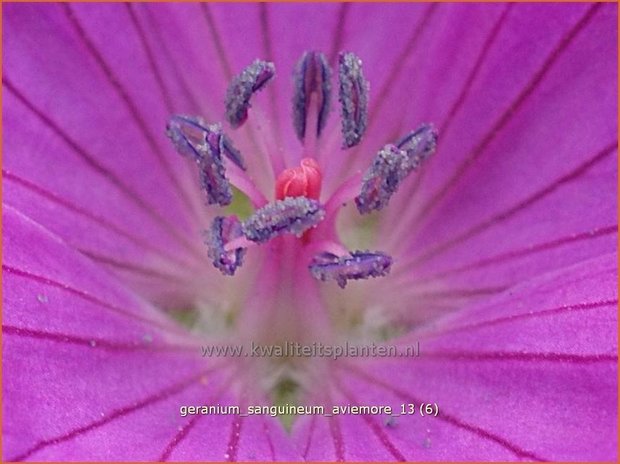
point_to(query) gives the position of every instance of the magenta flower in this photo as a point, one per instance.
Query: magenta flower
(181, 177)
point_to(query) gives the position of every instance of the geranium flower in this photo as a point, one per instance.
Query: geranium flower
(493, 252)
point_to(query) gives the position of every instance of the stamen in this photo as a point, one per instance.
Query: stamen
(205, 145)
(312, 79)
(302, 181)
(251, 80)
(223, 231)
(419, 144)
(213, 180)
(188, 132)
(354, 99)
(392, 165)
(389, 168)
(357, 265)
(291, 215)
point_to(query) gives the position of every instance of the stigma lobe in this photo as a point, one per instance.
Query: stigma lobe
(301, 181)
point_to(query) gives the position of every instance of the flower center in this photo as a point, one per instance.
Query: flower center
(289, 307)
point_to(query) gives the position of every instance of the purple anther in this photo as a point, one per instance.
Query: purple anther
(187, 134)
(224, 230)
(205, 144)
(190, 133)
(354, 266)
(419, 144)
(311, 79)
(251, 80)
(288, 216)
(231, 152)
(354, 90)
(381, 180)
(213, 179)
(392, 165)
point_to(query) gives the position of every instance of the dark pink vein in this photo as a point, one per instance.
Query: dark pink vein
(520, 356)
(92, 162)
(460, 292)
(334, 428)
(482, 56)
(90, 298)
(388, 85)
(512, 109)
(266, 30)
(104, 223)
(184, 431)
(338, 33)
(272, 450)
(132, 267)
(397, 66)
(129, 103)
(149, 56)
(372, 424)
(310, 433)
(115, 414)
(233, 440)
(522, 205)
(446, 417)
(516, 317)
(217, 41)
(227, 69)
(544, 288)
(95, 342)
(178, 438)
(162, 45)
(456, 106)
(520, 253)
(157, 73)
(270, 56)
(396, 69)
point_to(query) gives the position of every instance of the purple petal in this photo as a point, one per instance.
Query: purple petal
(73, 336)
(104, 182)
(520, 208)
(510, 384)
(523, 183)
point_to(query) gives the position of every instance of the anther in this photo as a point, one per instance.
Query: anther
(354, 266)
(287, 216)
(189, 132)
(302, 181)
(252, 79)
(353, 97)
(389, 168)
(392, 165)
(224, 230)
(311, 99)
(419, 144)
(205, 144)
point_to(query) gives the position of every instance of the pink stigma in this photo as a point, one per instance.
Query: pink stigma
(301, 181)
